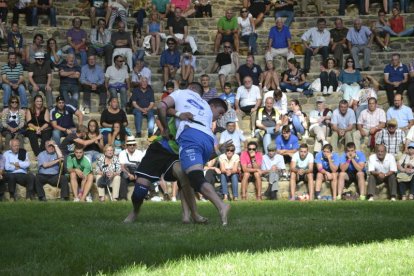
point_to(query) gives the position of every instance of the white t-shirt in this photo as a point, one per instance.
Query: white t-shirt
(302, 164)
(248, 97)
(277, 161)
(280, 105)
(190, 101)
(387, 165)
(117, 75)
(245, 25)
(237, 137)
(135, 157)
(145, 72)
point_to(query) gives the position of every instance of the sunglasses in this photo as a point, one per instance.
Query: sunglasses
(349, 61)
(227, 47)
(243, 11)
(252, 149)
(271, 150)
(131, 145)
(230, 150)
(16, 102)
(120, 61)
(171, 43)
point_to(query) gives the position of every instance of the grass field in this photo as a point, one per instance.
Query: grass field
(262, 238)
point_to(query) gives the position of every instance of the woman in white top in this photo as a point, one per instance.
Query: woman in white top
(188, 65)
(248, 30)
(406, 165)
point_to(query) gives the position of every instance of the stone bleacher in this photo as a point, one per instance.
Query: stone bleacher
(204, 31)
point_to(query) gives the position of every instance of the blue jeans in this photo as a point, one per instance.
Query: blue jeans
(57, 134)
(138, 55)
(82, 54)
(268, 137)
(234, 178)
(403, 5)
(297, 125)
(251, 40)
(284, 86)
(73, 89)
(51, 12)
(138, 116)
(343, 3)
(92, 155)
(287, 14)
(7, 92)
(123, 92)
(360, 109)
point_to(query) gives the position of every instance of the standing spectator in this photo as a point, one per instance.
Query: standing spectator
(208, 92)
(187, 65)
(272, 166)
(15, 40)
(294, 78)
(53, 54)
(248, 100)
(116, 9)
(61, 119)
(22, 6)
(287, 144)
(227, 31)
(327, 163)
(31, 50)
(251, 162)
(69, 80)
(268, 120)
(284, 8)
(138, 9)
(250, 69)
(229, 167)
(316, 41)
(3, 11)
(343, 124)
(13, 122)
(360, 40)
(338, 41)
(37, 120)
(301, 169)
(122, 43)
(108, 173)
(117, 80)
(392, 138)
(318, 5)
(100, 38)
(320, 120)
(40, 78)
(140, 71)
(80, 170)
(405, 166)
(382, 168)
(13, 81)
(77, 40)
(247, 26)
(350, 78)
(170, 60)
(395, 77)
(329, 76)
(226, 63)
(94, 150)
(44, 7)
(352, 170)
(279, 41)
(143, 102)
(92, 80)
(50, 163)
(401, 113)
(370, 121)
(235, 135)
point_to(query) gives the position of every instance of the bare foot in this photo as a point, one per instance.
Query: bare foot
(130, 218)
(223, 214)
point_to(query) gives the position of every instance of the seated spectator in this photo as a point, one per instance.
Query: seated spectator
(401, 113)
(405, 174)
(212, 171)
(287, 144)
(170, 60)
(15, 40)
(187, 65)
(360, 40)
(369, 89)
(116, 9)
(392, 138)
(329, 76)
(61, 119)
(272, 167)
(235, 135)
(80, 174)
(304, 9)
(139, 50)
(320, 120)
(257, 9)
(268, 121)
(100, 45)
(297, 120)
(40, 78)
(251, 162)
(349, 79)
(50, 163)
(37, 120)
(316, 41)
(203, 8)
(352, 170)
(92, 80)
(69, 80)
(3, 11)
(229, 167)
(410, 90)
(228, 94)
(382, 168)
(227, 31)
(226, 63)
(301, 169)
(184, 5)
(270, 77)
(248, 100)
(397, 24)
(142, 100)
(208, 92)
(117, 80)
(279, 100)
(327, 163)
(294, 79)
(13, 81)
(94, 150)
(98, 8)
(369, 123)
(17, 167)
(22, 6)
(140, 71)
(138, 9)
(108, 171)
(53, 54)
(117, 137)
(247, 26)
(279, 41)
(344, 3)
(155, 31)
(284, 8)
(230, 116)
(343, 124)
(44, 7)
(111, 115)
(338, 42)
(250, 69)
(77, 137)
(395, 77)
(381, 30)
(162, 7)
(32, 49)
(122, 44)
(13, 122)
(77, 38)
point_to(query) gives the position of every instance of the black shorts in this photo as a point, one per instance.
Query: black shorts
(157, 161)
(353, 178)
(257, 8)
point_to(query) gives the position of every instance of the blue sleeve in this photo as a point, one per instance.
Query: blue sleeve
(101, 76)
(82, 78)
(162, 59)
(388, 114)
(361, 157)
(318, 158)
(405, 69)
(177, 57)
(134, 97)
(295, 144)
(336, 159)
(386, 69)
(278, 142)
(342, 158)
(10, 40)
(152, 99)
(71, 108)
(77, 68)
(358, 76)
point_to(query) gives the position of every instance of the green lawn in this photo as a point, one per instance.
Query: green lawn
(262, 238)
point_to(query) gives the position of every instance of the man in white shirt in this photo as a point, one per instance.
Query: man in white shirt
(383, 168)
(320, 118)
(301, 169)
(272, 166)
(316, 41)
(233, 134)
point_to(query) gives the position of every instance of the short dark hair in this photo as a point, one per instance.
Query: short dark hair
(286, 129)
(36, 36)
(321, 20)
(252, 143)
(118, 56)
(171, 40)
(327, 146)
(372, 98)
(227, 84)
(341, 102)
(303, 146)
(350, 145)
(217, 102)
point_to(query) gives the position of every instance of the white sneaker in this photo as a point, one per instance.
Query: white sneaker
(253, 134)
(156, 199)
(299, 90)
(330, 90)
(325, 91)
(86, 110)
(393, 199)
(174, 199)
(371, 198)
(265, 89)
(288, 90)
(89, 198)
(76, 199)
(324, 142)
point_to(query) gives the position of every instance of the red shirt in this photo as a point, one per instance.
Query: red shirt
(245, 159)
(396, 24)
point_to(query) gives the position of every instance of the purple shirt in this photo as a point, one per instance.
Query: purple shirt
(77, 36)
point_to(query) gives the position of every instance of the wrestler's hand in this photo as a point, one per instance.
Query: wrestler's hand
(166, 134)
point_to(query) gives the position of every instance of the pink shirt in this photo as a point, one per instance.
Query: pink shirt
(182, 4)
(245, 159)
